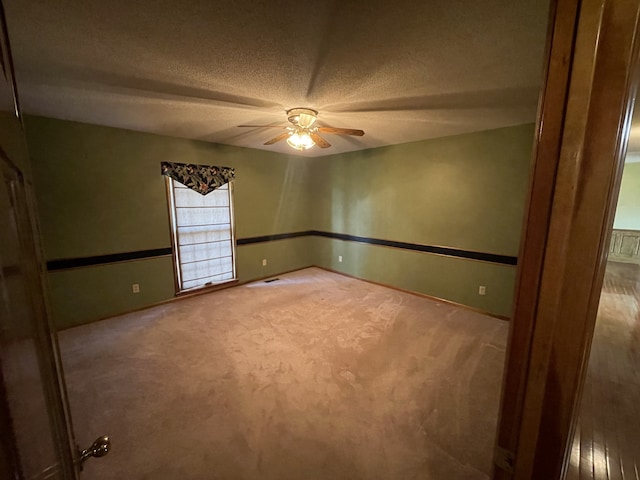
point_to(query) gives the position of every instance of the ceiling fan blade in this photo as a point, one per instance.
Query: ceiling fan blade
(321, 142)
(341, 131)
(282, 136)
(263, 126)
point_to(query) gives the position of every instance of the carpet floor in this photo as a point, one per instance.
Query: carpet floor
(313, 376)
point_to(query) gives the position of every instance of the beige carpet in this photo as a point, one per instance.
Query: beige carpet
(313, 376)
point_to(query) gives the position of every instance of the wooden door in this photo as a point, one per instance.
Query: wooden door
(36, 439)
(583, 126)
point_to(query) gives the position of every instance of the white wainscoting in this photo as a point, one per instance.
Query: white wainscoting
(625, 246)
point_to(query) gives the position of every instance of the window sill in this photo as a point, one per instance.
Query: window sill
(206, 288)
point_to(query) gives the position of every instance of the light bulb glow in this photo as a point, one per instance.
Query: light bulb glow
(300, 140)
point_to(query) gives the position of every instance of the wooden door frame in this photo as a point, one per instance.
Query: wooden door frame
(31, 267)
(583, 125)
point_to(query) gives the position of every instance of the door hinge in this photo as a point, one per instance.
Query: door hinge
(503, 459)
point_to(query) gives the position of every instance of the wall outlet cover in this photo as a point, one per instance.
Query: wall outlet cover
(135, 288)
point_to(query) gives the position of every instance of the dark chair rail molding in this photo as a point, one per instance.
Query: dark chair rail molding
(271, 238)
(438, 250)
(68, 263)
(446, 251)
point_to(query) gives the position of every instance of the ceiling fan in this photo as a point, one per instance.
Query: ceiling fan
(303, 133)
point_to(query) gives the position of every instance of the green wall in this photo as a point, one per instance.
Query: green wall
(465, 192)
(12, 142)
(99, 191)
(628, 210)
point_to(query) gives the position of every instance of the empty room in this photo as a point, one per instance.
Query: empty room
(278, 240)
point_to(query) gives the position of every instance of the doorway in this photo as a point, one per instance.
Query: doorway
(606, 443)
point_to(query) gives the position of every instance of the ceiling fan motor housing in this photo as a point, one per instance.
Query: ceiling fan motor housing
(304, 132)
(302, 117)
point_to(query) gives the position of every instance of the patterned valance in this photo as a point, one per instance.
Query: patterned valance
(201, 178)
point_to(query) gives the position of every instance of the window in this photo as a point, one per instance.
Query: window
(203, 237)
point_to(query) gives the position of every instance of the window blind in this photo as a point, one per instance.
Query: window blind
(203, 236)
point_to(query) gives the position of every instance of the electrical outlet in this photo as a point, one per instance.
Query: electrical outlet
(340, 258)
(482, 290)
(135, 287)
(264, 262)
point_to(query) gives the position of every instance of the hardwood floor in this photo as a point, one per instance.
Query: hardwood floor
(607, 440)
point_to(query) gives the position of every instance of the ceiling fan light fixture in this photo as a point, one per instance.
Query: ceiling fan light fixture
(304, 132)
(305, 120)
(302, 117)
(300, 140)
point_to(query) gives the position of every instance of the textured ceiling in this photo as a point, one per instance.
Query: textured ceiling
(401, 70)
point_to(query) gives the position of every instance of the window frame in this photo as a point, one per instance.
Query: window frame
(175, 251)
